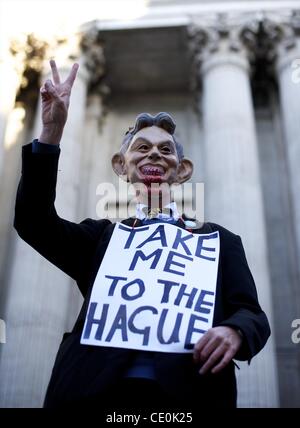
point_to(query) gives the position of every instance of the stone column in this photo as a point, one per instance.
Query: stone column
(10, 79)
(288, 75)
(233, 196)
(41, 301)
(288, 71)
(20, 67)
(11, 125)
(95, 158)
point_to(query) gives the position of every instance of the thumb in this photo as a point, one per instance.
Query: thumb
(48, 91)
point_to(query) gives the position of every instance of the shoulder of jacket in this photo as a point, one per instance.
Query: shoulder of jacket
(100, 222)
(96, 225)
(224, 233)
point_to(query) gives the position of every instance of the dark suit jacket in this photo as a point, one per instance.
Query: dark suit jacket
(82, 372)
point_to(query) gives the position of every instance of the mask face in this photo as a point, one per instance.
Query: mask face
(151, 157)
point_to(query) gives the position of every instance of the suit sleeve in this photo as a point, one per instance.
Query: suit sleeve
(69, 246)
(243, 311)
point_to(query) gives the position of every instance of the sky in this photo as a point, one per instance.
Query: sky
(60, 17)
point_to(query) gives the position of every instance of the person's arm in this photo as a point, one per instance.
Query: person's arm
(245, 330)
(68, 245)
(243, 309)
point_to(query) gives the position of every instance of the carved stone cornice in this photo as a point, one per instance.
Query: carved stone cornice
(92, 47)
(28, 53)
(261, 36)
(271, 33)
(288, 49)
(255, 34)
(214, 34)
(290, 30)
(274, 38)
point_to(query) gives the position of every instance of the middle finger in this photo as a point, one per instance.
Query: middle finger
(213, 359)
(56, 78)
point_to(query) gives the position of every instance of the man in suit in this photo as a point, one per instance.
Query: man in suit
(91, 376)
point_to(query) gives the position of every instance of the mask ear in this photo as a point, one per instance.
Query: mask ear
(118, 165)
(184, 170)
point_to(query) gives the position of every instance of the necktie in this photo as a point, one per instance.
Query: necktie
(151, 213)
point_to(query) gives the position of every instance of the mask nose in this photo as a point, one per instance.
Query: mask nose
(154, 154)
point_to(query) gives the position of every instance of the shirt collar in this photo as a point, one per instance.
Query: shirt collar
(140, 214)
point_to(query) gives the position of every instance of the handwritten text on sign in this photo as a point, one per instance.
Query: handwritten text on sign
(155, 289)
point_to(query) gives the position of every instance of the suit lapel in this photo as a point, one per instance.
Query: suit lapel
(132, 221)
(206, 228)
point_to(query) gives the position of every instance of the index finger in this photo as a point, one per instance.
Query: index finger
(70, 79)
(201, 343)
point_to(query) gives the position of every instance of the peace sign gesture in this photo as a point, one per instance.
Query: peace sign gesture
(55, 104)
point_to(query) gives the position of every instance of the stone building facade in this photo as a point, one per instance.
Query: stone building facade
(231, 79)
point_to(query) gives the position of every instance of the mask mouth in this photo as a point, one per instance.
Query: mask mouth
(152, 171)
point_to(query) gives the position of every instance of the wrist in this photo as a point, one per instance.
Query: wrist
(50, 136)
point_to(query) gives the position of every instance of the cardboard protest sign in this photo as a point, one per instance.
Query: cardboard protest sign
(155, 289)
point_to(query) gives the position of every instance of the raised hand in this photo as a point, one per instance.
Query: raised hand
(55, 104)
